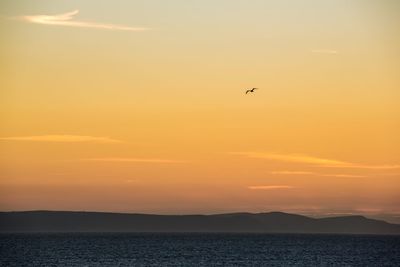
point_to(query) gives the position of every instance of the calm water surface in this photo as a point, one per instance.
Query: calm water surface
(197, 250)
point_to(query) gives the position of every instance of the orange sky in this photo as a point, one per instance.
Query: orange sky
(139, 106)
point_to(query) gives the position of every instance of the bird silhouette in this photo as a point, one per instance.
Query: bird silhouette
(251, 90)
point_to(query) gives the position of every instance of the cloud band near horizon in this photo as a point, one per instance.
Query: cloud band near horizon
(311, 160)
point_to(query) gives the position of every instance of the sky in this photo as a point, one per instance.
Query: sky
(140, 106)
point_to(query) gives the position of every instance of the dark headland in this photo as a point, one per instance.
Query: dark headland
(271, 222)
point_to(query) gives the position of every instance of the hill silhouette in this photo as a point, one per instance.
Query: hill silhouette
(271, 222)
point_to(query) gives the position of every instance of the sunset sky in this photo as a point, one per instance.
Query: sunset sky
(139, 106)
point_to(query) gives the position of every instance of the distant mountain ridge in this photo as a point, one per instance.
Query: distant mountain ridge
(271, 222)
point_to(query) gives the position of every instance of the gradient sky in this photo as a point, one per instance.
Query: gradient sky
(139, 106)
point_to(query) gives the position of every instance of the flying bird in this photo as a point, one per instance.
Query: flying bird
(251, 90)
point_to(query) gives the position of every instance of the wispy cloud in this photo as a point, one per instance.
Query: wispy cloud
(316, 161)
(363, 166)
(317, 174)
(134, 160)
(325, 51)
(269, 187)
(62, 138)
(297, 158)
(67, 19)
(291, 172)
(342, 175)
(390, 174)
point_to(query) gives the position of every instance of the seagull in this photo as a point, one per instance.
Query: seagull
(250, 90)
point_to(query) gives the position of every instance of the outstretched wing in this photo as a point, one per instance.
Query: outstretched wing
(247, 91)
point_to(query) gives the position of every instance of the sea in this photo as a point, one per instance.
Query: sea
(161, 249)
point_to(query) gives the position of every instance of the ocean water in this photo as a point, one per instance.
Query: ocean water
(96, 249)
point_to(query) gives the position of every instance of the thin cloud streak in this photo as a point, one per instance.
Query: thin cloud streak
(134, 160)
(291, 172)
(321, 162)
(269, 187)
(343, 175)
(361, 166)
(325, 51)
(62, 138)
(296, 158)
(67, 19)
(317, 174)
